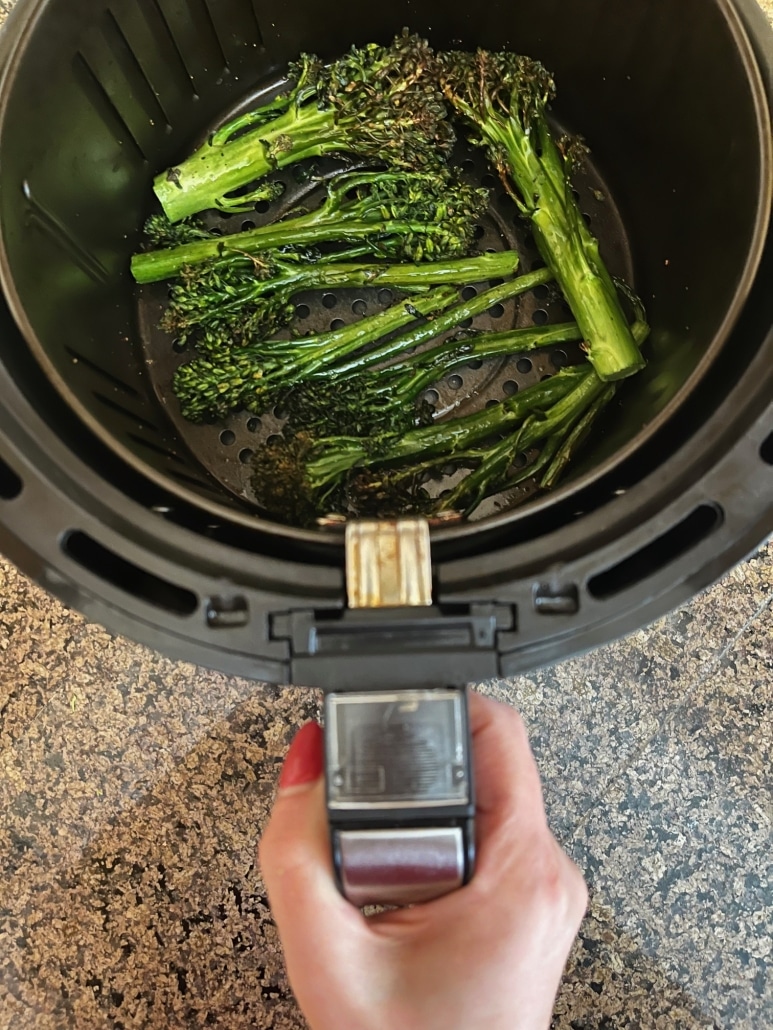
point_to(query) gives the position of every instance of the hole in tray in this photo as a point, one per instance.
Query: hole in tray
(337, 323)
(125, 575)
(480, 232)
(766, 450)
(302, 311)
(488, 180)
(540, 317)
(559, 359)
(179, 346)
(359, 307)
(254, 425)
(469, 292)
(385, 297)
(524, 366)
(10, 484)
(329, 300)
(509, 387)
(541, 292)
(475, 364)
(262, 207)
(497, 311)
(431, 396)
(248, 226)
(465, 324)
(246, 455)
(654, 556)
(455, 382)
(228, 437)
(274, 439)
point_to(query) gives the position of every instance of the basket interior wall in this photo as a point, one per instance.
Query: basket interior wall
(105, 96)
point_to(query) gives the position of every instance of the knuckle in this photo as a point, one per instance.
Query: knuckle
(559, 887)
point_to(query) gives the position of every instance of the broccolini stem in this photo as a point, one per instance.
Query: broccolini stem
(203, 300)
(441, 361)
(505, 98)
(219, 169)
(246, 378)
(567, 448)
(407, 214)
(156, 266)
(337, 455)
(447, 321)
(539, 426)
(572, 253)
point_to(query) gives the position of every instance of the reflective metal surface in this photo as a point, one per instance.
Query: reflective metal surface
(400, 867)
(388, 564)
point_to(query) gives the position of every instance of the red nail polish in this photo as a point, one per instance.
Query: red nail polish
(305, 759)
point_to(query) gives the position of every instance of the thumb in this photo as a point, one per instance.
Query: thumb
(296, 859)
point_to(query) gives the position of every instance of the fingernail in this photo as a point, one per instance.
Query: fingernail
(305, 760)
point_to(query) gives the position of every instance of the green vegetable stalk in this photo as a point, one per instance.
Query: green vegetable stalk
(222, 307)
(505, 99)
(254, 379)
(389, 399)
(305, 478)
(295, 479)
(399, 215)
(380, 103)
(272, 371)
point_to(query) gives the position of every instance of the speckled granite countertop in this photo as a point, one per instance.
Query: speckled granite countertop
(133, 790)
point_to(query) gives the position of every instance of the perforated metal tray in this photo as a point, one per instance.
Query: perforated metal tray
(226, 449)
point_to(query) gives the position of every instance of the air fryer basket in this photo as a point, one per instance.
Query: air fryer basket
(110, 500)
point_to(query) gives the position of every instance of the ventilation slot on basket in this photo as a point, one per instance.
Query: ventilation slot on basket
(103, 104)
(146, 31)
(766, 450)
(236, 26)
(107, 565)
(63, 237)
(655, 556)
(119, 384)
(10, 484)
(121, 55)
(132, 416)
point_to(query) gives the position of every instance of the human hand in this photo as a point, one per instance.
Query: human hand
(487, 957)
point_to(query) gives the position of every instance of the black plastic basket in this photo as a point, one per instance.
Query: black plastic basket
(110, 501)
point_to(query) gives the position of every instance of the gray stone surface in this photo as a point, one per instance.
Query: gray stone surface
(133, 790)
